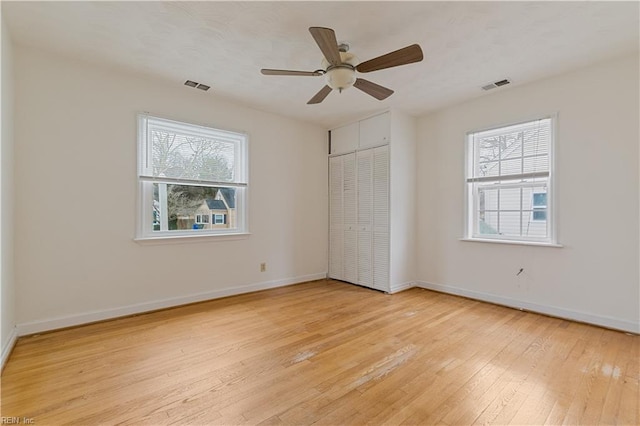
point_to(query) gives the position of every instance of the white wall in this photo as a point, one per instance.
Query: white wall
(595, 276)
(7, 294)
(75, 153)
(402, 272)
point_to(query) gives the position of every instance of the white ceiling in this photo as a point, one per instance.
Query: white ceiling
(225, 44)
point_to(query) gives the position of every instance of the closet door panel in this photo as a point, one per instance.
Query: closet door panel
(350, 195)
(381, 188)
(381, 240)
(365, 216)
(350, 258)
(336, 254)
(365, 188)
(375, 131)
(336, 227)
(365, 248)
(381, 260)
(350, 210)
(345, 139)
(335, 191)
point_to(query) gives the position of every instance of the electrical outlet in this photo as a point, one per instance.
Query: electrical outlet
(263, 267)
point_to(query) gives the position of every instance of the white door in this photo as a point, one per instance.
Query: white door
(359, 218)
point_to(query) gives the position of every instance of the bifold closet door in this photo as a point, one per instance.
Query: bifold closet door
(343, 233)
(359, 218)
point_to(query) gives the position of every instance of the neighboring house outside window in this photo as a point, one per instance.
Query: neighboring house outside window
(509, 182)
(189, 176)
(539, 206)
(220, 212)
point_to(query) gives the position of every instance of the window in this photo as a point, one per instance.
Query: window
(509, 182)
(184, 171)
(202, 218)
(219, 219)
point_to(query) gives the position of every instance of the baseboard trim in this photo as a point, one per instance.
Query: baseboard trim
(554, 311)
(107, 314)
(397, 288)
(8, 347)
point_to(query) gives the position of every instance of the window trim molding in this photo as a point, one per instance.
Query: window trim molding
(512, 242)
(194, 238)
(552, 187)
(144, 197)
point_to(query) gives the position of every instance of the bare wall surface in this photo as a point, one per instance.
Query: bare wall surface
(75, 130)
(595, 276)
(7, 319)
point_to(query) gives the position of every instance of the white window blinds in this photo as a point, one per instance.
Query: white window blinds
(516, 152)
(176, 152)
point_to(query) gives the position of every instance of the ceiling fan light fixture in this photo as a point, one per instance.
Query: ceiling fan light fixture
(340, 78)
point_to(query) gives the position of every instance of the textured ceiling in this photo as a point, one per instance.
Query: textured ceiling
(225, 44)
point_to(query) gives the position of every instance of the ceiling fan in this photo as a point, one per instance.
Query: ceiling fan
(339, 67)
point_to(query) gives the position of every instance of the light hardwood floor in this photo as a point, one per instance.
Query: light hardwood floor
(326, 352)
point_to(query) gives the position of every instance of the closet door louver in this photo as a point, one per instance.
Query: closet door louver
(350, 247)
(365, 216)
(336, 221)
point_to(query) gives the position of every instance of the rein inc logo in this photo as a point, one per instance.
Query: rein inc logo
(17, 421)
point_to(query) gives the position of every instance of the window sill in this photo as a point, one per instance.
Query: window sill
(512, 242)
(180, 239)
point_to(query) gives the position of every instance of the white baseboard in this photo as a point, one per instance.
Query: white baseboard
(600, 320)
(7, 347)
(396, 288)
(89, 317)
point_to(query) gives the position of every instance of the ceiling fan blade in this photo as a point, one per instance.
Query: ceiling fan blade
(266, 71)
(326, 40)
(319, 97)
(406, 55)
(375, 90)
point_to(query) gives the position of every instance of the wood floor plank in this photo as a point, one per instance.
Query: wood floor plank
(327, 353)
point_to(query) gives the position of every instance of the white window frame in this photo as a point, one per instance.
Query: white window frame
(471, 200)
(144, 228)
(214, 219)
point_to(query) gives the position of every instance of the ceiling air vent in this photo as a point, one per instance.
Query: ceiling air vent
(197, 85)
(495, 84)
